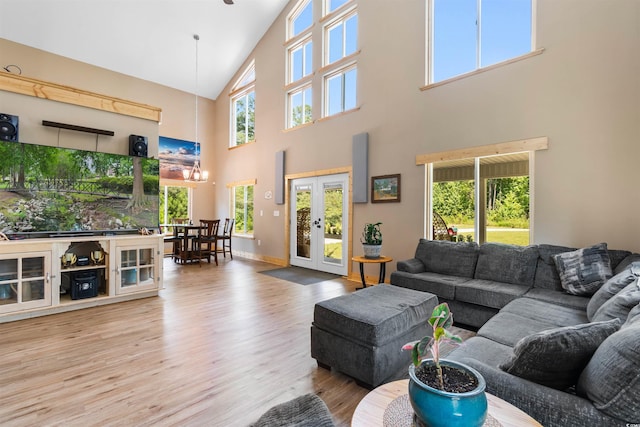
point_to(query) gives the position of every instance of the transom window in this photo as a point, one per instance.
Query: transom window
(467, 35)
(301, 18)
(243, 105)
(332, 5)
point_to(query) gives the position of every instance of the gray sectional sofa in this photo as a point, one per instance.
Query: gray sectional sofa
(565, 359)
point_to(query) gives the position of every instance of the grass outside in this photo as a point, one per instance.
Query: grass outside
(505, 235)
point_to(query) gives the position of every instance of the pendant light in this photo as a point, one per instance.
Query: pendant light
(195, 174)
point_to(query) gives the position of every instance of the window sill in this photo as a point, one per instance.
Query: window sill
(482, 70)
(304, 125)
(333, 116)
(244, 236)
(242, 145)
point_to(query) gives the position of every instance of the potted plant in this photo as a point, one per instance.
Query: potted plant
(444, 392)
(372, 240)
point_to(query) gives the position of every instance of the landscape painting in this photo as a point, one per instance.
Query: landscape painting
(175, 155)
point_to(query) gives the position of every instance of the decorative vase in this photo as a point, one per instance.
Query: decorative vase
(438, 408)
(371, 251)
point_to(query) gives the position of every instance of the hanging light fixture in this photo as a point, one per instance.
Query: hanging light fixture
(195, 174)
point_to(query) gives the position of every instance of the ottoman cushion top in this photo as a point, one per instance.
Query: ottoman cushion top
(376, 314)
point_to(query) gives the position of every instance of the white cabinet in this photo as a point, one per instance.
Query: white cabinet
(45, 276)
(25, 281)
(136, 269)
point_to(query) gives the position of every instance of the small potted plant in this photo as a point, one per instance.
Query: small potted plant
(444, 392)
(372, 240)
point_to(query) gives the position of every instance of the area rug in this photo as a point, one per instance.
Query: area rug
(299, 275)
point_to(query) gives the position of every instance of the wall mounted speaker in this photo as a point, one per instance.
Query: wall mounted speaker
(8, 127)
(360, 167)
(138, 146)
(279, 184)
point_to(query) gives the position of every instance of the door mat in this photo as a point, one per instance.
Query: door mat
(302, 276)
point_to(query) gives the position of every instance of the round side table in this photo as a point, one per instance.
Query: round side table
(382, 260)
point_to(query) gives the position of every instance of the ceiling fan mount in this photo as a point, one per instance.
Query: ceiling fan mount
(228, 1)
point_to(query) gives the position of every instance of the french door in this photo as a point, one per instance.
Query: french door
(319, 223)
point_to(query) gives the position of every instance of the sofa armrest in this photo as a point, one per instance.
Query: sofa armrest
(412, 266)
(548, 406)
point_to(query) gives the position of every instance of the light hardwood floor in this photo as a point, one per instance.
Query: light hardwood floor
(218, 347)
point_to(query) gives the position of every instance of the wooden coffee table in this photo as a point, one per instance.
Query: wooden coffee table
(388, 405)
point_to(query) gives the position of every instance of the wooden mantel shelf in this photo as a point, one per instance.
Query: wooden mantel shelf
(55, 92)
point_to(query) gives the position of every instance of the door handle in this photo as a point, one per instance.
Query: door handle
(317, 223)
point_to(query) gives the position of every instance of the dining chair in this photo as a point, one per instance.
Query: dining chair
(225, 237)
(207, 240)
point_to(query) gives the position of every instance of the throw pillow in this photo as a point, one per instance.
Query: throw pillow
(611, 288)
(583, 271)
(611, 380)
(556, 357)
(620, 305)
(634, 317)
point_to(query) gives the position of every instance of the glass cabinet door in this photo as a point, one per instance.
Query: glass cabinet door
(25, 281)
(136, 269)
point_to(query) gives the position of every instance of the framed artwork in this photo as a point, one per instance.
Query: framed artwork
(385, 188)
(175, 155)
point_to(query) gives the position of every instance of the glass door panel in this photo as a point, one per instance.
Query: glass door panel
(333, 218)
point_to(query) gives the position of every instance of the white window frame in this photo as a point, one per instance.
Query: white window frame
(299, 45)
(340, 19)
(327, 7)
(339, 72)
(300, 89)
(232, 205)
(478, 69)
(242, 88)
(294, 14)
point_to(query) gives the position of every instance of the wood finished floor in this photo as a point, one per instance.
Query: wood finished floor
(218, 347)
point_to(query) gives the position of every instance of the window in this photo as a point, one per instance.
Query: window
(341, 91)
(300, 60)
(300, 106)
(301, 18)
(467, 35)
(174, 203)
(482, 195)
(243, 109)
(332, 5)
(341, 38)
(242, 207)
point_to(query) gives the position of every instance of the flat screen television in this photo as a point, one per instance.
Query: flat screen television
(50, 191)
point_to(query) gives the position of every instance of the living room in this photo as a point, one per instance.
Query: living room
(581, 92)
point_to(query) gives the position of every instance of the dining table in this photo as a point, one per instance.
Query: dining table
(187, 249)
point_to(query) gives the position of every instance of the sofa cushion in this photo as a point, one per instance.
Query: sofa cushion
(583, 271)
(488, 293)
(558, 298)
(483, 349)
(611, 288)
(442, 285)
(507, 263)
(611, 379)
(546, 272)
(620, 304)
(626, 262)
(556, 357)
(541, 311)
(412, 265)
(451, 258)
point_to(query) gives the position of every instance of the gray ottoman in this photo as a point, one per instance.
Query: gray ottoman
(361, 334)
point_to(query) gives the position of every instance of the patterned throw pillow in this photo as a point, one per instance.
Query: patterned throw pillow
(582, 272)
(556, 357)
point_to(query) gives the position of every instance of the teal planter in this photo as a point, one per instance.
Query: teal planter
(437, 408)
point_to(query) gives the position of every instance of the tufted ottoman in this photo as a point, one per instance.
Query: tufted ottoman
(361, 334)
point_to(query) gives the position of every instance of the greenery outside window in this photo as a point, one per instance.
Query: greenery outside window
(300, 106)
(340, 91)
(174, 203)
(242, 207)
(467, 35)
(243, 109)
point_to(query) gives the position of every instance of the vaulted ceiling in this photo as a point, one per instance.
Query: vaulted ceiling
(148, 39)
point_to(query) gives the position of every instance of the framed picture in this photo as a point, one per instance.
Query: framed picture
(385, 188)
(175, 155)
